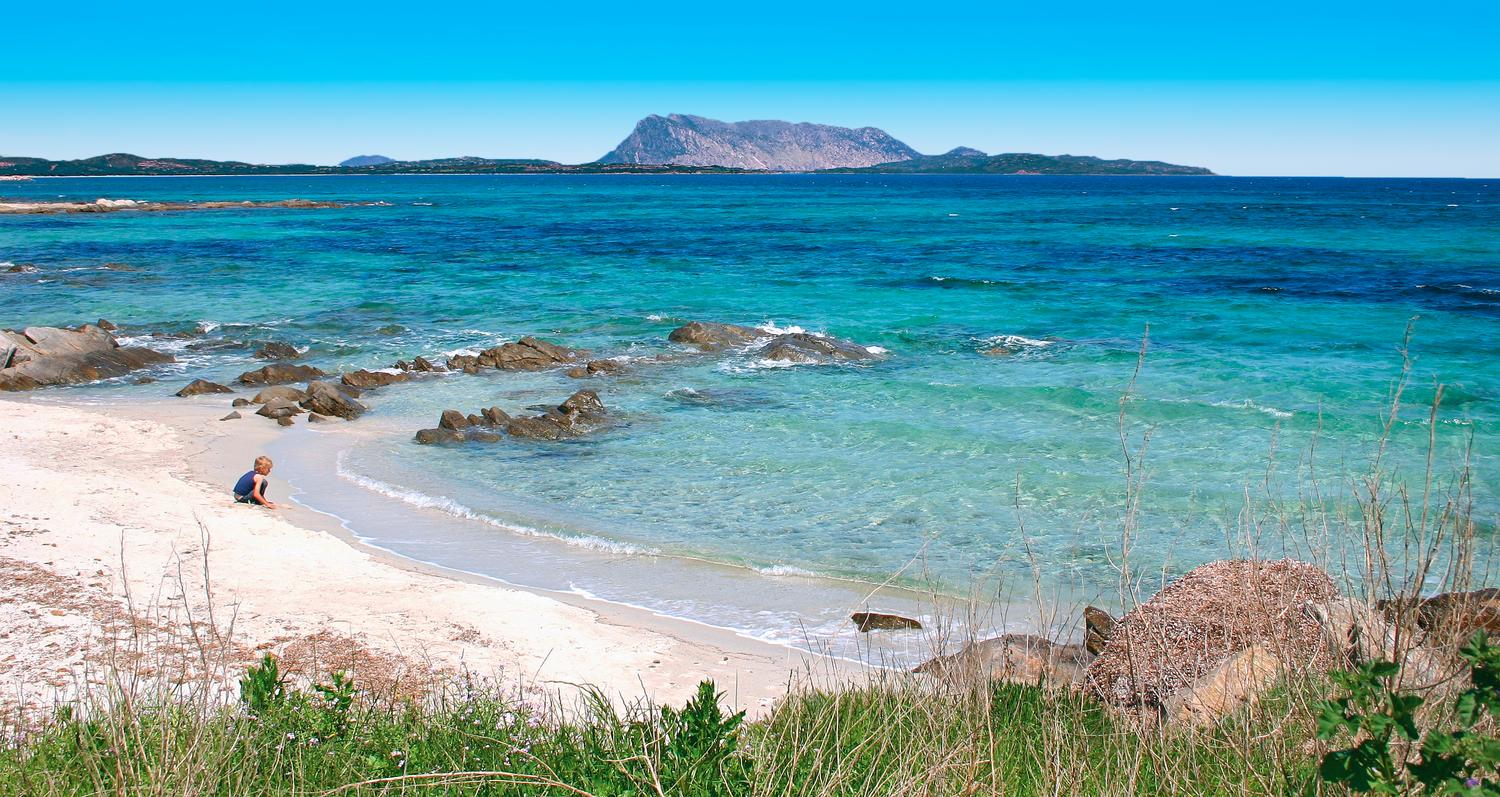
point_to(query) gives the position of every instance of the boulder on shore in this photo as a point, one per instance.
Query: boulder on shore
(199, 387)
(279, 408)
(879, 621)
(279, 374)
(324, 398)
(43, 356)
(1198, 622)
(287, 392)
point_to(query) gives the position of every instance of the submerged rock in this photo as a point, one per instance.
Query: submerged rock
(43, 356)
(279, 374)
(805, 349)
(199, 387)
(597, 368)
(580, 414)
(278, 351)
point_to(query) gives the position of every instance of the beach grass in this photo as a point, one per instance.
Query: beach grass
(893, 737)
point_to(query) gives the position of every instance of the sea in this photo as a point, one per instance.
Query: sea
(1086, 385)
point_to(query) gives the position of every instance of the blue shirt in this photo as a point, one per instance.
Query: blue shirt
(245, 485)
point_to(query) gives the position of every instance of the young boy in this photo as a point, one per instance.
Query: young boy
(251, 488)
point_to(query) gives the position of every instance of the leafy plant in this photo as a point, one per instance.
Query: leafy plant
(263, 687)
(700, 738)
(1393, 754)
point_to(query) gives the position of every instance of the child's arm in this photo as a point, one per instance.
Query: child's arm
(259, 492)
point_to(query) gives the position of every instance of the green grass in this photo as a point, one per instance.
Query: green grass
(899, 738)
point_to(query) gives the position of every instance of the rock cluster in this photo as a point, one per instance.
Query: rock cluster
(277, 350)
(279, 374)
(526, 354)
(580, 414)
(43, 356)
(800, 348)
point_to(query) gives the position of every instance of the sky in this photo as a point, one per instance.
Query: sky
(1317, 88)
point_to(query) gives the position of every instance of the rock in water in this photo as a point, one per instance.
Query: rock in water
(43, 356)
(278, 351)
(770, 145)
(324, 398)
(453, 421)
(1012, 658)
(368, 379)
(709, 336)
(1210, 614)
(279, 374)
(802, 348)
(526, 354)
(580, 414)
(198, 387)
(876, 621)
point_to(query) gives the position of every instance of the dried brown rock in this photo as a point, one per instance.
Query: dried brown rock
(280, 374)
(199, 387)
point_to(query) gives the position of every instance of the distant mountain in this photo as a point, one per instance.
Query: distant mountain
(123, 164)
(965, 160)
(367, 160)
(775, 146)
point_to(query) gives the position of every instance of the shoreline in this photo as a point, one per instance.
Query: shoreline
(559, 640)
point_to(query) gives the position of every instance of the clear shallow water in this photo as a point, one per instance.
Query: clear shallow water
(1276, 311)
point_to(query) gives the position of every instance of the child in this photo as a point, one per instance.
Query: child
(251, 488)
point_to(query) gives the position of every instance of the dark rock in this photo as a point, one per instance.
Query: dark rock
(453, 420)
(476, 420)
(802, 348)
(429, 436)
(422, 364)
(369, 379)
(42, 356)
(118, 267)
(1097, 625)
(708, 335)
(145, 380)
(240, 402)
(876, 621)
(279, 408)
(390, 329)
(280, 374)
(233, 416)
(494, 416)
(287, 392)
(1457, 615)
(481, 436)
(313, 417)
(106, 325)
(597, 368)
(325, 398)
(276, 350)
(198, 387)
(467, 363)
(526, 354)
(1201, 620)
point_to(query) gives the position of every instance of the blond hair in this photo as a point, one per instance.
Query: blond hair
(262, 461)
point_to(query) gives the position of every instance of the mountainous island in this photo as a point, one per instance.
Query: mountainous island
(672, 144)
(766, 145)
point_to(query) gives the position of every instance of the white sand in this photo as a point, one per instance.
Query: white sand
(111, 526)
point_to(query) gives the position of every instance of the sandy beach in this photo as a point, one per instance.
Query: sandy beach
(120, 547)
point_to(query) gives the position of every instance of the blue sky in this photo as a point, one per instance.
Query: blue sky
(1243, 88)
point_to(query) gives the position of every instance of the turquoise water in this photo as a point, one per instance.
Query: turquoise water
(1276, 309)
